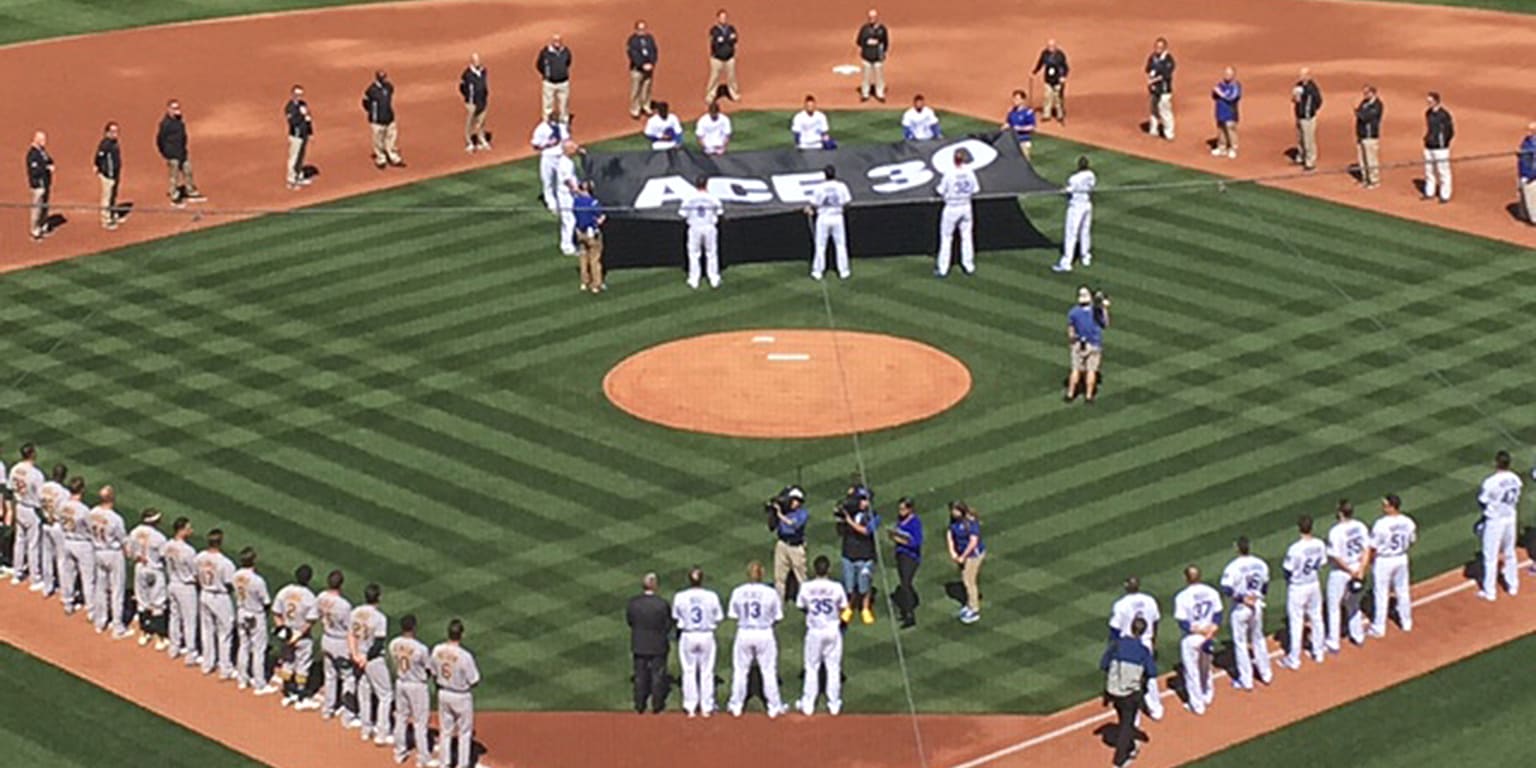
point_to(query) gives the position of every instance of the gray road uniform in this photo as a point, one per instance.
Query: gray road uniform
(79, 560)
(456, 673)
(181, 590)
(294, 608)
(107, 539)
(335, 622)
(146, 548)
(370, 629)
(251, 604)
(413, 701)
(216, 615)
(51, 499)
(26, 551)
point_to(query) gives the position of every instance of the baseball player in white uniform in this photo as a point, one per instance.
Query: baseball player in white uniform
(1246, 581)
(146, 545)
(79, 558)
(252, 601)
(702, 211)
(548, 140)
(215, 614)
(663, 128)
(1078, 230)
(1197, 609)
(1392, 536)
(756, 608)
(823, 600)
(810, 127)
(713, 130)
(1349, 543)
(335, 626)
(566, 186)
(26, 482)
(1132, 605)
(1303, 567)
(411, 659)
(457, 674)
(294, 611)
(920, 123)
(957, 188)
(370, 630)
(51, 498)
(828, 200)
(1499, 498)
(107, 540)
(181, 591)
(697, 612)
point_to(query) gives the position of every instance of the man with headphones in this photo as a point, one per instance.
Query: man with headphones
(1085, 335)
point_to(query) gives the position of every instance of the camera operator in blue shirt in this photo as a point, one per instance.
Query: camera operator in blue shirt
(1085, 335)
(787, 518)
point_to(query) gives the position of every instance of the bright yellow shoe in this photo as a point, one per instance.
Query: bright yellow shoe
(846, 615)
(868, 616)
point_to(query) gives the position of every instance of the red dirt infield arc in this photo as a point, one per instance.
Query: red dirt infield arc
(787, 383)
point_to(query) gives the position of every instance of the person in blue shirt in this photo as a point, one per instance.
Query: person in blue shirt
(1227, 93)
(1128, 665)
(788, 526)
(908, 537)
(589, 238)
(1021, 120)
(1085, 336)
(968, 551)
(1528, 174)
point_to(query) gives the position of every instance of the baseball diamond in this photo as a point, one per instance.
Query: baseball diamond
(456, 469)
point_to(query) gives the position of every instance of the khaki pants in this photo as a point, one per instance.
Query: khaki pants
(1055, 102)
(384, 150)
(721, 72)
(640, 92)
(1306, 142)
(1226, 136)
(970, 575)
(108, 208)
(589, 258)
(474, 126)
(1162, 115)
(556, 95)
(179, 173)
(39, 210)
(296, 147)
(874, 80)
(1370, 161)
(1528, 199)
(786, 559)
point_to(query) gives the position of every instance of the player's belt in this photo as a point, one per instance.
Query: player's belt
(464, 691)
(108, 550)
(709, 631)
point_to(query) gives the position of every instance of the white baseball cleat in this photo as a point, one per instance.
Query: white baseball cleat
(36, 586)
(433, 763)
(242, 685)
(307, 705)
(1059, 267)
(384, 740)
(834, 708)
(807, 709)
(1490, 597)
(143, 639)
(1087, 259)
(162, 644)
(694, 284)
(815, 275)
(266, 690)
(349, 722)
(1218, 152)
(366, 734)
(400, 758)
(1286, 662)
(774, 712)
(121, 633)
(735, 711)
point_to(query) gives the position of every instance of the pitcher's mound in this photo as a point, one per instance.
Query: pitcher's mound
(787, 383)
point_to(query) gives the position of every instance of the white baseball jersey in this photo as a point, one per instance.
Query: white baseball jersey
(214, 571)
(1304, 561)
(146, 545)
(27, 484)
(454, 667)
(548, 138)
(335, 614)
(106, 529)
(295, 607)
(565, 179)
(369, 624)
(410, 659)
(251, 596)
(830, 197)
(74, 518)
(822, 600)
(1197, 605)
(809, 129)
(755, 606)
(1347, 542)
(958, 186)
(1246, 576)
(1500, 495)
(1128, 608)
(697, 609)
(1393, 535)
(701, 210)
(1080, 187)
(713, 132)
(656, 129)
(920, 124)
(51, 498)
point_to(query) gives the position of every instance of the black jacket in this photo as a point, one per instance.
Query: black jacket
(722, 42)
(1438, 128)
(1160, 66)
(475, 87)
(554, 65)
(379, 102)
(642, 50)
(171, 139)
(650, 625)
(299, 124)
(1053, 63)
(109, 159)
(882, 37)
(1310, 102)
(1368, 119)
(39, 168)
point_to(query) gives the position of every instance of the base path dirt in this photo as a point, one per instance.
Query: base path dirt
(787, 383)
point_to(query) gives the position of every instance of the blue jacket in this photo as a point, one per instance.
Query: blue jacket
(1528, 159)
(587, 210)
(1226, 95)
(1129, 649)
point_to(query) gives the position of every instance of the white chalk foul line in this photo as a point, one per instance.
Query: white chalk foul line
(1103, 716)
(788, 357)
(762, 339)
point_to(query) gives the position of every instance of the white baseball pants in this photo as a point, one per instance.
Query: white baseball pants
(828, 225)
(1339, 612)
(339, 673)
(27, 548)
(823, 647)
(373, 684)
(149, 588)
(703, 243)
(455, 715)
(251, 656)
(1304, 604)
(216, 615)
(956, 219)
(1078, 233)
(1249, 644)
(52, 551)
(1154, 696)
(548, 179)
(1390, 575)
(1437, 173)
(1197, 672)
(696, 652)
(755, 645)
(567, 226)
(79, 560)
(411, 706)
(1499, 540)
(183, 619)
(107, 597)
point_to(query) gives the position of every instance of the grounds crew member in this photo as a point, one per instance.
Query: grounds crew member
(874, 44)
(1439, 130)
(379, 104)
(642, 53)
(171, 141)
(1306, 100)
(554, 66)
(722, 60)
(109, 169)
(1052, 65)
(1368, 136)
(40, 182)
(1159, 69)
(301, 128)
(476, 92)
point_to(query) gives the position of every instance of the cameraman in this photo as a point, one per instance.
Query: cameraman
(856, 523)
(1085, 333)
(787, 518)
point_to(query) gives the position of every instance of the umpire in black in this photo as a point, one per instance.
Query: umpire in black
(171, 141)
(379, 104)
(1053, 64)
(650, 628)
(109, 169)
(40, 183)
(300, 128)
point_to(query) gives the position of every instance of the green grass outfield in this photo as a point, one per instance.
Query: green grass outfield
(416, 399)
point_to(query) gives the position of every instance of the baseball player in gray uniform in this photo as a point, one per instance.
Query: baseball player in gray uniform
(181, 591)
(294, 611)
(335, 623)
(146, 546)
(52, 497)
(26, 487)
(252, 602)
(457, 674)
(79, 560)
(412, 699)
(365, 643)
(107, 539)
(216, 615)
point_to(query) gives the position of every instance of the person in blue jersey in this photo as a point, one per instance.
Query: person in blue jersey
(908, 537)
(967, 550)
(1527, 168)
(1227, 93)
(589, 237)
(1021, 120)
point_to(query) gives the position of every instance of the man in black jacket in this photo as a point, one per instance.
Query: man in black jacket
(40, 183)
(1053, 63)
(300, 128)
(642, 52)
(554, 66)
(171, 141)
(475, 89)
(722, 60)
(1306, 100)
(379, 104)
(1159, 71)
(874, 42)
(650, 629)
(109, 169)
(1368, 135)
(1439, 129)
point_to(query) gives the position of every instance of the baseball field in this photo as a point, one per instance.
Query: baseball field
(404, 384)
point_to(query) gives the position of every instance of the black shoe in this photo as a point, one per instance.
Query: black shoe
(908, 622)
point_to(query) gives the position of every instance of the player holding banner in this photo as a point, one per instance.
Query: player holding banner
(957, 188)
(827, 203)
(756, 608)
(697, 612)
(1246, 581)
(1348, 550)
(1499, 497)
(822, 599)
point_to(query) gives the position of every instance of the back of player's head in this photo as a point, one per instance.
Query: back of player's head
(695, 576)
(216, 539)
(962, 156)
(180, 524)
(59, 473)
(701, 181)
(1394, 501)
(455, 630)
(1345, 509)
(1191, 574)
(1082, 162)
(247, 558)
(1243, 545)
(149, 516)
(303, 574)
(408, 623)
(830, 172)
(1132, 584)
(649, 582)
(77, 485)
(107, 494)
(1500, 460)
(334, 579)
(372, 593)
(822, 566)
(754, 571)
(1304, 523)
(28, 451)
(1138, 627)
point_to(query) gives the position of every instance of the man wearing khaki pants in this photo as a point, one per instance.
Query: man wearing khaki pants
(554, 66)
(642, 53)
(788, 525)
(1368, 136)
(589, 237)
(300, 128)
(1159, 71)
(722, 60)
(474, 87)
(874, 42)
(109, 170)
(40, 182)
(1306, 99)
(171, 140)
(379, 104)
